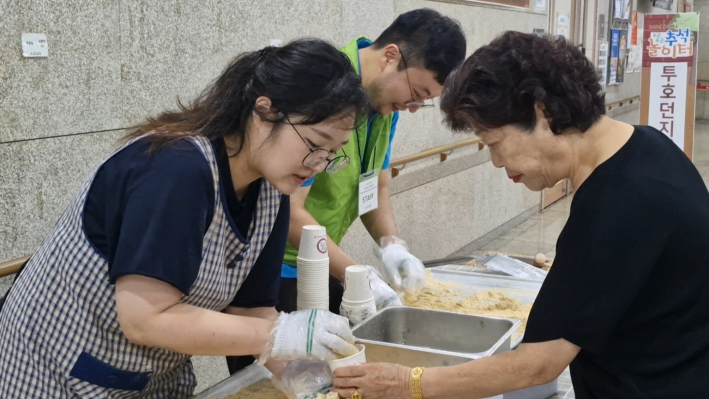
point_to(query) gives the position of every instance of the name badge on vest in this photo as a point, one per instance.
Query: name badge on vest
(368, 191)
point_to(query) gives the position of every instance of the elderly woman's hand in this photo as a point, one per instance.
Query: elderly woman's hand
(373, 381)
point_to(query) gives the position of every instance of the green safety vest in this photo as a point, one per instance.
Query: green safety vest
(333, 197)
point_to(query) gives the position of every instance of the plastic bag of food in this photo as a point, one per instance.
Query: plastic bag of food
(304, 379)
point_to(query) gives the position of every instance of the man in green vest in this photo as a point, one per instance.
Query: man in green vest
(403, 69)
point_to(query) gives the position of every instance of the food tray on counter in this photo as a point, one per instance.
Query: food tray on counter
(473, 280)
(431, 338)
(235, 383)
(470, 282)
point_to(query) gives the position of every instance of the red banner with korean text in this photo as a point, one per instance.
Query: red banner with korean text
(669, 76)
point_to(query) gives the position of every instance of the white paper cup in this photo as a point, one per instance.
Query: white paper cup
(358, 312)
(308, 306)
(313, 282)
(353, 360)
(310, 262)
(314, 269)
(314, 275)
(357, 284)
(313, 243)
(307, 302)
(313, 288)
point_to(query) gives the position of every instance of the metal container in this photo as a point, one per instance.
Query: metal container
(471, 282)
(430, 338)
(420, 337)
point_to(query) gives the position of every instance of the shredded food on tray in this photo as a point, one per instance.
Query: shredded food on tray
(265, 390)
(260, 390)
(444, 295)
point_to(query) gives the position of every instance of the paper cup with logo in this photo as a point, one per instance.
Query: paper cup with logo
(357, 312)
(313, 243)
(353, 360)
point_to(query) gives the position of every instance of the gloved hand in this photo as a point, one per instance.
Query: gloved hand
(403, 271)
(384, 296)
(309, 334)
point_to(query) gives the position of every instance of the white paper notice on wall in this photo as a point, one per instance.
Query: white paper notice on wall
(668, 98)
(562, 25)
(34, 45)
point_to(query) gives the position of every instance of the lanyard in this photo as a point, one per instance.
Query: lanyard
(363, 161)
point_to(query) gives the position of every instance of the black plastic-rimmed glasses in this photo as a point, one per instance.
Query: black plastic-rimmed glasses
(319, 155)
(414, 103)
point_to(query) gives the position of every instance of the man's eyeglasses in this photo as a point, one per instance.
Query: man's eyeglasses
(414, 103)
(318, 155)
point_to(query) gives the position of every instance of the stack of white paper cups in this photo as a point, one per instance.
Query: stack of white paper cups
(358, 300)
(313, 269)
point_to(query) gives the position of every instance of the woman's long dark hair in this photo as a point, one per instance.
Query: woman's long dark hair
(308, 77)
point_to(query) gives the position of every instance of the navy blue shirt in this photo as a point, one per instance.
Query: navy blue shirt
(147, 214)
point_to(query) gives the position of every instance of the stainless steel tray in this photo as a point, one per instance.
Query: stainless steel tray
(430, 338)
(467, 275)
(472, 282)
(463, 259)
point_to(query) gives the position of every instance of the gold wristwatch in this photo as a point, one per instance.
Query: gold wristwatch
(416, 374)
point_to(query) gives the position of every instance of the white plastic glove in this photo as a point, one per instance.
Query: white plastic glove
(384, 296)
(309, 334)
(403, 271)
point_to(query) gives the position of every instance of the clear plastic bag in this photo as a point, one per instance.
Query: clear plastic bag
(304, 379)
(514, 267)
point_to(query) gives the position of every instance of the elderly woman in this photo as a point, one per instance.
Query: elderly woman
(626, 304)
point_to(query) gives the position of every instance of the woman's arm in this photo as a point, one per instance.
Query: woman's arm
(150, 313)
(529, 365)
(526, 366)
(267, 313)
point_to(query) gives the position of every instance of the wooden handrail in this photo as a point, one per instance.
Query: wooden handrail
(12, 266)
(434, 151)
(620, 103)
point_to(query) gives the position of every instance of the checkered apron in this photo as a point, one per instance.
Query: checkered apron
(60, 321)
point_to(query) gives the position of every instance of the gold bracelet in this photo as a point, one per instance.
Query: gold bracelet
(416, 374)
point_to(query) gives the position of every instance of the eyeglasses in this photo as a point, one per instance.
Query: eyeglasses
(318, 155)
(413, 103)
